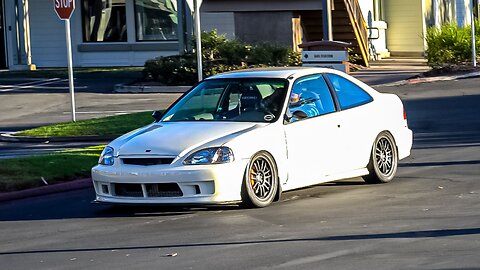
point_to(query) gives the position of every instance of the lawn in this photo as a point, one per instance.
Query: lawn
(27, 172)
(110, 126)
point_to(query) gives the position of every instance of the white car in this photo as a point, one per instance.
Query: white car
(247, 136)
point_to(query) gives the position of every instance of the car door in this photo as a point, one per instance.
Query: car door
(356, 123)
(311, 132)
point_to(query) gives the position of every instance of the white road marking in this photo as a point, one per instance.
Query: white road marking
(37, 84)
(29, 83)
(317, 258)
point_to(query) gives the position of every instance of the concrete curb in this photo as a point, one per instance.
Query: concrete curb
(432, 79)
(9, 137)
(123, 88)
(39, 191)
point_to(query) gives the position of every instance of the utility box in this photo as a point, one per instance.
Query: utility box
(329, 54)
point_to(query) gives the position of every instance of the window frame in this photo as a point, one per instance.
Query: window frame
(330, 90)
(84, 26)
(136, 26)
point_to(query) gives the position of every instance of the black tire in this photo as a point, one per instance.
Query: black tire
(383, 163)
(260, 182)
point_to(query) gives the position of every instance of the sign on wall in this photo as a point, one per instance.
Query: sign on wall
(329, 59)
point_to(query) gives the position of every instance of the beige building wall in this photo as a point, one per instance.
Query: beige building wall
(405, 19)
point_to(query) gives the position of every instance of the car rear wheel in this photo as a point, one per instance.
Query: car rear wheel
(383, 160)
(260, 182)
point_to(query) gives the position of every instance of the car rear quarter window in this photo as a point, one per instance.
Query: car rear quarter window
(348, 93)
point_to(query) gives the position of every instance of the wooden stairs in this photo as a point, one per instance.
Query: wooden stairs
(348, 25)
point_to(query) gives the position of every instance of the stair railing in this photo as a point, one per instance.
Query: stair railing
(359, 26)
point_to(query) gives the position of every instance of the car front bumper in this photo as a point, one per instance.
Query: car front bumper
(169, 184)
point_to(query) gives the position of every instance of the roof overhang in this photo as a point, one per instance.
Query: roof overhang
(259, 5)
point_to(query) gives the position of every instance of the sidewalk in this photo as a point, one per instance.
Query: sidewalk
(391, 71)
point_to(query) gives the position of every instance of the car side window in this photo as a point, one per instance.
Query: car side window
(349, 94)
(311, 96)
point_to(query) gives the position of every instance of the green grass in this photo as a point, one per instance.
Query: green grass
(105, 126)
(27, 172)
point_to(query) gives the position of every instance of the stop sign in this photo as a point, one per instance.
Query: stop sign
(64, 8)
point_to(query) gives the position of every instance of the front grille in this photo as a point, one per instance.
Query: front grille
(128, 190)
(147, 161)
(153, 190)
(163, 190)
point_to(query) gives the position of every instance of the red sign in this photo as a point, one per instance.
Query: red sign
(64, 8)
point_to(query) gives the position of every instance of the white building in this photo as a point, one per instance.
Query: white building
(128, 32)
(104, 32)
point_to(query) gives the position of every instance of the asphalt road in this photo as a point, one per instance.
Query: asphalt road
(427, 218)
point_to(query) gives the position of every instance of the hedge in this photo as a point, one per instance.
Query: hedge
(219, 55)
(450, 45)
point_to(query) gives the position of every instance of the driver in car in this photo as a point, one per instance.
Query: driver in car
(302, 102)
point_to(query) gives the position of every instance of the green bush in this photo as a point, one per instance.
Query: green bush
(219, 55)
(450, 45)
(172, 70)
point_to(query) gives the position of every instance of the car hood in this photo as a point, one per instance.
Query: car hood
(175, 138)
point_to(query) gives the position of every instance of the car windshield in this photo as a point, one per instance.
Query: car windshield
(238, 100)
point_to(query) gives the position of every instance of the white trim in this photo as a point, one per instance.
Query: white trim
(130, 21)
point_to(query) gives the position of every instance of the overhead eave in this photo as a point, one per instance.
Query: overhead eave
(259, 5)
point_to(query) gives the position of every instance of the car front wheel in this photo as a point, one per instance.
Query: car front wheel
(260, 182)
(383, 160)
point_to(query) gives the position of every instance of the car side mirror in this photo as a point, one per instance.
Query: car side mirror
(299, 115)
(157, 115)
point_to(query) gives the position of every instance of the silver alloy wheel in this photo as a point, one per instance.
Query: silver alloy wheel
(261, 178)
(260, 182)
(384, 156)
(383, 163)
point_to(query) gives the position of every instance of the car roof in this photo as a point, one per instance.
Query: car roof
(272, 72)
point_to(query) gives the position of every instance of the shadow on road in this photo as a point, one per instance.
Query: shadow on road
(441, 163)
(444, 122)
(60, 205)
(397, 235)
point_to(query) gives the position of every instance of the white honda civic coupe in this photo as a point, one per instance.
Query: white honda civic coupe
(247, 136)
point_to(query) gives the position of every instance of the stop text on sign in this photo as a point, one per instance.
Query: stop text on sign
(63, 3)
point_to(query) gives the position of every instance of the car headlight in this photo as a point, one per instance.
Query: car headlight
(106, 158)
(214, 155)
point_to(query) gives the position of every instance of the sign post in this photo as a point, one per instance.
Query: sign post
(64, 10)
(474, 53)
(198, 34)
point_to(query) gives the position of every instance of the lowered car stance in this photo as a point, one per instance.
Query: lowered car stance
(247, 136)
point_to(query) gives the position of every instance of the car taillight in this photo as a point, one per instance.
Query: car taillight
(404, 114)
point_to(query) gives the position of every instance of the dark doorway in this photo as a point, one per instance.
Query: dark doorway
(3, 56)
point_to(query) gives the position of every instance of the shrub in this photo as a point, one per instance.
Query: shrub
(449, 45)
(172, 70)
(233, 52)
(220, 55)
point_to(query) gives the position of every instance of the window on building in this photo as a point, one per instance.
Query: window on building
(104, 21)
(156, 19)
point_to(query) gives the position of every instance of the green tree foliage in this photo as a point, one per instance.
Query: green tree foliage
(450, 45)
(219, 55)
